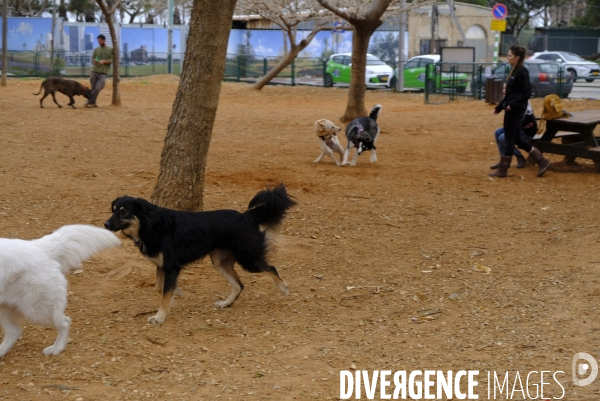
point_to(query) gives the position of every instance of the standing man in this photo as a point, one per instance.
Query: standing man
(101, 59)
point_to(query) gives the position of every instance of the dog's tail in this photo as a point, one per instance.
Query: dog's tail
(41, 86)
(375, 112)
(71, 245)
(268, 207)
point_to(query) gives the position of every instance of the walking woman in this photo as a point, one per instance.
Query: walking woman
(514, 104)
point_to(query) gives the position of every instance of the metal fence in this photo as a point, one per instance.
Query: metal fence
(249, 68)
(447, 81)
(440, 82)
(75, 64)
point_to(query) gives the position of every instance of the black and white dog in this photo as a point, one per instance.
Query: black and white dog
(362, 134)
(327, 133)
(173, 239)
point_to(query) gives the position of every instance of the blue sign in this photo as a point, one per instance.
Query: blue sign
(499, 11)
(337, 27)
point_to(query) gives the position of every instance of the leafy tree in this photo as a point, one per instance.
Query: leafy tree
(385, 46)
(520, 13)
(591, 19)
(82, 9)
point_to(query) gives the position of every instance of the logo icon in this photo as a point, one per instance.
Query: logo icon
(589, 366)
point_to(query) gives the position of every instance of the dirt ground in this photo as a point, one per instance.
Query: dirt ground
(380, 258)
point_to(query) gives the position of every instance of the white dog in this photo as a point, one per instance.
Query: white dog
(326, 131)
(32, 279)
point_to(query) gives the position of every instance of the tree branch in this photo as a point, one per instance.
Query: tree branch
(115, 7)
(336, 10)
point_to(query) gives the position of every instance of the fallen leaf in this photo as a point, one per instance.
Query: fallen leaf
(482, 269)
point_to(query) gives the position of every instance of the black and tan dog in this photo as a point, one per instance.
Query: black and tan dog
(66, 87)
(173, 239)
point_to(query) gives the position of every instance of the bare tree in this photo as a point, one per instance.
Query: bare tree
(288, 15)
(183, 161)
(108, 16)
(365, 17)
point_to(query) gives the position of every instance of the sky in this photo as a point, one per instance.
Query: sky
(23, 33)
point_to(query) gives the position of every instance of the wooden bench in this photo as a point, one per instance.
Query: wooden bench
(577, 137)
(564, 135)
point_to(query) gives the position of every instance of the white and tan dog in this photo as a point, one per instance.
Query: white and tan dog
(326, 131)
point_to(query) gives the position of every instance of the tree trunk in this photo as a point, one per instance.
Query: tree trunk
(108, 15)
(295, 49)
(116, 95)
(183, 161)
(356, 94)
(4, 43)
(272, 73)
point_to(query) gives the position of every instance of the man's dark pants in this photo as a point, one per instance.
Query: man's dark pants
(98, 80)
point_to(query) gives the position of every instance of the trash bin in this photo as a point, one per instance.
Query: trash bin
(493, 90)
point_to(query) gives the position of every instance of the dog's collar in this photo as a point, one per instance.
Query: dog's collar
(326, 137)
(81, 90)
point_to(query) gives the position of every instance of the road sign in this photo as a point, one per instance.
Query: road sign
(337, 27)
(499, 11)
(498, 25)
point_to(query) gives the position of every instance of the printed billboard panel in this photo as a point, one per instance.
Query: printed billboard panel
(28, 34)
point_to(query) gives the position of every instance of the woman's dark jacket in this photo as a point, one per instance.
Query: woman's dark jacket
(518, 91)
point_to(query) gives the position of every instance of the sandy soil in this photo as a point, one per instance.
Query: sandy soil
(368, 252)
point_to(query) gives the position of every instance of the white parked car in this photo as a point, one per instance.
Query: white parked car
(571, 62)
(339, 68)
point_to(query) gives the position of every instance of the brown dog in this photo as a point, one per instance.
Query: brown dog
(66, 87)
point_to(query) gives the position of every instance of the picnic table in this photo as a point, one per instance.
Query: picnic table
(577, 137)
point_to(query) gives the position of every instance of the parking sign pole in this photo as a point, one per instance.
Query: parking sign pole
(496, 46)
(499, 13)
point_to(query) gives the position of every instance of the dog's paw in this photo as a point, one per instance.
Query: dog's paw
(222, 304)
(52, 350)
(156, 319)
(353, 164)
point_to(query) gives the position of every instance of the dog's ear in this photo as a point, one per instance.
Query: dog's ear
(113, 205)
(318, 126)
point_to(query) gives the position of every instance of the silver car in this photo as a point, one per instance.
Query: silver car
(571, 62)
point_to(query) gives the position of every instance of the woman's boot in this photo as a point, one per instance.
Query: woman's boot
(540, 160)
(503, 167)
(521, 162)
